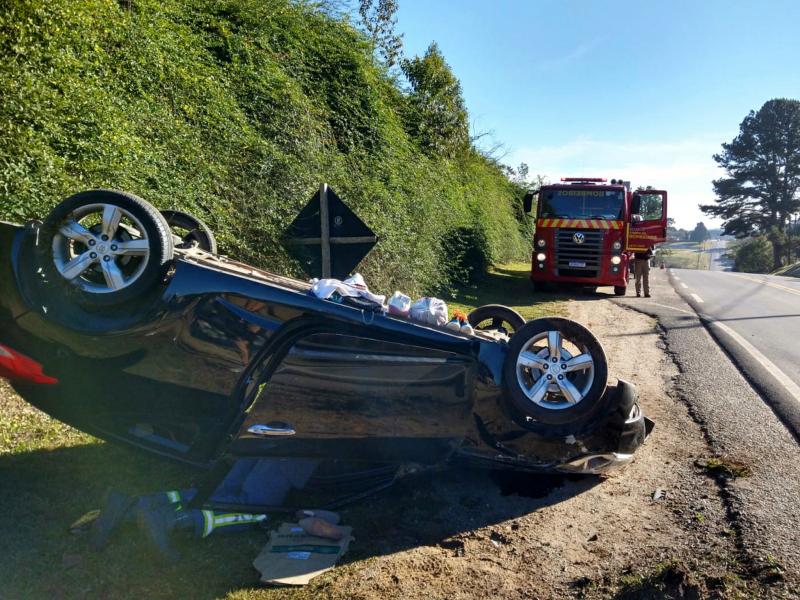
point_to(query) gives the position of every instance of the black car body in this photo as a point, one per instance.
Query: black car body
(225, 360)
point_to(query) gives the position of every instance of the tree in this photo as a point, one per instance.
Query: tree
(379, 18)
(762, 163)
(700, 233)
(753, 256)
(436, 116)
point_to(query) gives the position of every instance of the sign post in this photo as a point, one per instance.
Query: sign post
(325, 225)
(327, 237)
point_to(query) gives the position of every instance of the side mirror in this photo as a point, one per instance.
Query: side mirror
(635, 219)
(527, 201)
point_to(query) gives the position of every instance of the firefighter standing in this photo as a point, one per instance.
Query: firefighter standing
(641, 270)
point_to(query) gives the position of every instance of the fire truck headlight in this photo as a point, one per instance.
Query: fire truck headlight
(617, 245)
(541, 256)
(615, 260)
(540, 243)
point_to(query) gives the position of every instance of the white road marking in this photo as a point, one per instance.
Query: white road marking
(789, 385)
(684, 286)
(688, 312)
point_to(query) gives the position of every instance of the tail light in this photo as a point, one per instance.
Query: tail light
(19, 367)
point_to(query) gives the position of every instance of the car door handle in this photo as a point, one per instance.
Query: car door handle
(271, 429)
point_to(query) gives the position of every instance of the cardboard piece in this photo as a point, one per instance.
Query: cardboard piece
(292, 557)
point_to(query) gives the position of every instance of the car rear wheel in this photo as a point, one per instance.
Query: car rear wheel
(555, 374)
(189, 231)
(104, 247)
(619, 290)
(496, 317)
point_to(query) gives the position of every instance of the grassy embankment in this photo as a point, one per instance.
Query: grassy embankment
(791, 270)
(50, 474)
(236, 111)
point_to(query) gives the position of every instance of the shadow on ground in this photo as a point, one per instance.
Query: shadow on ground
(43, 491)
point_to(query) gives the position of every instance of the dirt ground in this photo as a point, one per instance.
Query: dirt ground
(595, 537)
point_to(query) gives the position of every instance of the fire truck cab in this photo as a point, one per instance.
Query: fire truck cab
(588, 229)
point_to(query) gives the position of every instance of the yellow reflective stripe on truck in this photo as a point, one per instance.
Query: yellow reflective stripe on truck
(580, 223)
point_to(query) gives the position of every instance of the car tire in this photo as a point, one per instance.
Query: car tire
(104, 248)
(499, 316)
(555, 406)
(198, 234)
(620, 290)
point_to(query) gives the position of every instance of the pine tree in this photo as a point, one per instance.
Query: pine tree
(760, 193)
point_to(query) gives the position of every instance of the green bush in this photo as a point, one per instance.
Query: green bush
(753, 255)
(236, 110)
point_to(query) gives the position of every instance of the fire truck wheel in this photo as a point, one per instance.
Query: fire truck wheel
(555, 374)
(619, 290)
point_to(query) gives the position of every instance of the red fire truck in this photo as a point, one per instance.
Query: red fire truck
(587, 230)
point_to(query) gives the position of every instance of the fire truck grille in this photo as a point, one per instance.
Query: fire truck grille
(575, 259)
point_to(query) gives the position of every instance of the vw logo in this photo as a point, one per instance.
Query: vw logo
(578, 237)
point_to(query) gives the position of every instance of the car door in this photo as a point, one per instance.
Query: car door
(356, 393)
(651, 228)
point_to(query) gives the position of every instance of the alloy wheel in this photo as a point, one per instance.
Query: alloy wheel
(554, 372)
(101, 248)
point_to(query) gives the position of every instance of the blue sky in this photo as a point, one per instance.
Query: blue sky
(642, 90)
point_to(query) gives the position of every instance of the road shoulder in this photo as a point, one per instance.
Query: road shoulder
(742, 429)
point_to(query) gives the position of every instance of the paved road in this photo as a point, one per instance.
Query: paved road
(717, 250)
(738, 421)
(757, 319)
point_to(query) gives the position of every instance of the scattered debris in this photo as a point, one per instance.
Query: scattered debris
(293, 557)
(593, 537)
(659, 494)
(457, 546)
(84, 523)
(321, 528)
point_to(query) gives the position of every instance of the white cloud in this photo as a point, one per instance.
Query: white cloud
(554, 63)
(684, 168)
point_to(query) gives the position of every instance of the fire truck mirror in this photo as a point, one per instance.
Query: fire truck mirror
(636, 219)
(527, 201)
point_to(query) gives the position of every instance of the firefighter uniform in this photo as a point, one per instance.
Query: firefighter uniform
(641, 271)
(159, 514)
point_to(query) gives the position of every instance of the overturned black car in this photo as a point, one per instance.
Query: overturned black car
(123, 322)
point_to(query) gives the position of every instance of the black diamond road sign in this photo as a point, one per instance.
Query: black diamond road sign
(327, 237)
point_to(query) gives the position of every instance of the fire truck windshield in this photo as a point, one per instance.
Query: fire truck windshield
(581, 204)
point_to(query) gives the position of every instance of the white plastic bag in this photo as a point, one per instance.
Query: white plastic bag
(399, 304)
(353, 287)
(429, 310)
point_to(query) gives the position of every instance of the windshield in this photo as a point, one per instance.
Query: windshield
(581, 204)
